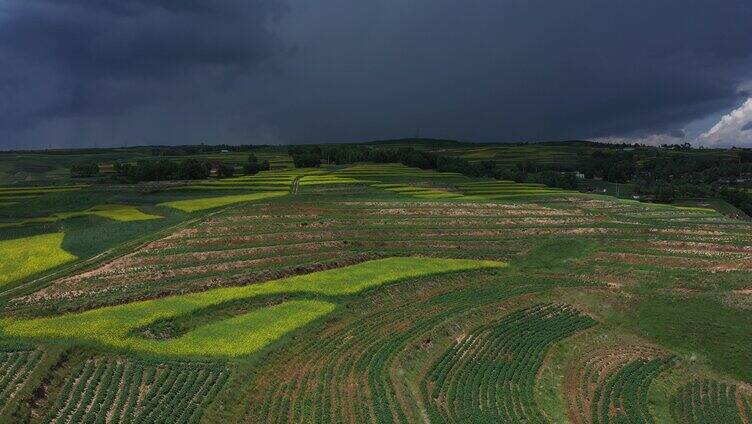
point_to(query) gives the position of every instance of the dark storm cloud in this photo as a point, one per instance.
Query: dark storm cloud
(86, 57)
(297, 71)
(529, 69)
(747, 126)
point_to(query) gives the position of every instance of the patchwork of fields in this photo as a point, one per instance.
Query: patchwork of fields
(242, 334)
(372, 293)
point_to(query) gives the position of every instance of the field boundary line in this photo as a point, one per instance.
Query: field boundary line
(109, 254)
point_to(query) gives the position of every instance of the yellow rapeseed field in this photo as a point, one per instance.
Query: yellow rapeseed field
(194, 205)
(242, 334)
(23, 257)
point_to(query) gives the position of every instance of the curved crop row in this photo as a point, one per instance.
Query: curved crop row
(347, 370)
(121, 391)
(709, 402)
(611, 386)
(15, 367)
(490, 375)
(623, 398)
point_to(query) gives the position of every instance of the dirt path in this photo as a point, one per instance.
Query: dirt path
(296, 185)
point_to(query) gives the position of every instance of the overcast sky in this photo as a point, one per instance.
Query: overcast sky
(134, 72)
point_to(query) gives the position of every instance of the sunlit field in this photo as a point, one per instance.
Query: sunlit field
(27, 256)
(370, 293)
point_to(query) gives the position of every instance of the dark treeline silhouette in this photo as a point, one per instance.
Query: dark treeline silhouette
(163, 170)
(253, 166)
(187, 169)
(84, 170)
(189, 150)
(312, 156)
(670, 177)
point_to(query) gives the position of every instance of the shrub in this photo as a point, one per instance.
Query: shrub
(307, 160)
(86, 169)
(193, 169)
(225, 171)
(253, 166)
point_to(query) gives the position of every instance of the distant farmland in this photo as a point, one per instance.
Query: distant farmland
(366, 292)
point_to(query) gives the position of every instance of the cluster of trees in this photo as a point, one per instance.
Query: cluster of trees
(565, 180)
(665, 174)
(163, 170)
(187, 169)
(225, 170)
(531, 172)
(306, 156)
(742, 199)
(312, 156)
(698, 169)
(84, 170)
(666, 177)
(199, 149)
(615, 166)
(253, 166)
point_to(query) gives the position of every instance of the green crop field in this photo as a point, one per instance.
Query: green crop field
(243, 334)
(367, 292)
(193, 205)
(24, 257)
(123, 213)
(490, 190)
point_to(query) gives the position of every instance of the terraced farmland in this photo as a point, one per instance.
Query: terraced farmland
(374, 293)
(263, 181)
(242, 334)
(389, 171)
(489, 376)
(20, 193)
(122, 391)
(16, 365)
(123, 213)
(611, 385)
(199, 204)
(418, 192)
(490, 190)
(710, 401)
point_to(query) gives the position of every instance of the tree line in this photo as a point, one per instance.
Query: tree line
(314, 155)
(169, 170)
